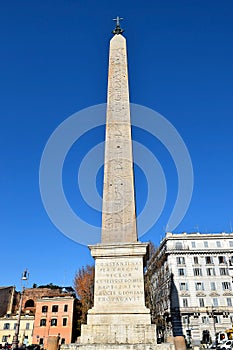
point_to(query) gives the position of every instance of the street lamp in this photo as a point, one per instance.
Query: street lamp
(15, 341)
(211, 313)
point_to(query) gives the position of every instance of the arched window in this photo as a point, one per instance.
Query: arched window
(29, 303)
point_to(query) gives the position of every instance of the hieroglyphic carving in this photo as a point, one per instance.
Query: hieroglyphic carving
(118, 195)
(118, 98)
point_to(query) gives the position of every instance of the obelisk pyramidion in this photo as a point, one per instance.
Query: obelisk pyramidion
(119, 318)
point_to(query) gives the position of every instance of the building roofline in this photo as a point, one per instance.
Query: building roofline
(56, 297)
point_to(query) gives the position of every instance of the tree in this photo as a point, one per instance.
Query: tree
(50, 285)
(84, 287)
(147, 279)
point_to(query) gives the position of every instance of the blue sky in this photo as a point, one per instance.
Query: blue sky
(54, 57)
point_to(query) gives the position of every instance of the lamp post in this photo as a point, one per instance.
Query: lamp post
(15, 341)
(188, 331)
(211, 313)
(214, 321)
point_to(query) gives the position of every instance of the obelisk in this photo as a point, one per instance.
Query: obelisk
(119, 316)
(119, 220)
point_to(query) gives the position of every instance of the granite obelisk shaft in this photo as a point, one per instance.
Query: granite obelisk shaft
(118, 217)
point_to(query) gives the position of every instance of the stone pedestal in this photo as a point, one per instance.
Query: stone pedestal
(119, 315)
(163, 346)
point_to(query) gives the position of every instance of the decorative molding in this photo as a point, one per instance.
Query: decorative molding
(200, 294)
(228, 293)
(214, 294)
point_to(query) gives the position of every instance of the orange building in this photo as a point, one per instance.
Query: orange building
(54, 317)
(31, 295)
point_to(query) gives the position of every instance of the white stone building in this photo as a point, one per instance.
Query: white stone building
(192, 285)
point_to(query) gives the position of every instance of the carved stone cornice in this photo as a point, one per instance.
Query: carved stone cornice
(228, 293)
(200, 294)
(214, 294)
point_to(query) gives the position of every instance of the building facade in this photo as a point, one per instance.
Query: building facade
(54, 318)
(191, 285)
(8, 326)
(31, 295)
(9, 300)
(36, 324)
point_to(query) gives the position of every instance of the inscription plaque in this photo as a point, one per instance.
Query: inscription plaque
(119, 281)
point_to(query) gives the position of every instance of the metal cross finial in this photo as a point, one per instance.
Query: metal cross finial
(118, 19)
(118, 29)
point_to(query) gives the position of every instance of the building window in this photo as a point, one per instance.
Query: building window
(55, 308)
(193, 244)
(221, 259)
(212, 286)
(199, 286)
(229, 302)
(181, 272)
(201, 302)
(4, 338)
(197, 272)
(218, 244)
(208, 260)
(195, 260)
(15, 325)
(6, 326)
(223, 271)
(44, 308)
(206, 245)
(27, 325)
(183, 286)
(180, 260)
(226, 286)
(178, 245)
(231, 243)
(185, 302)
(43, 322)
(210, 271)
(53, 322)
(215, 302)
(64, 322)
(65, 308)
(205, 319)
(41, 341)
(63, 341)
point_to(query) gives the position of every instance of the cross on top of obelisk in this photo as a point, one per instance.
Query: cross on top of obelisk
(118, 29)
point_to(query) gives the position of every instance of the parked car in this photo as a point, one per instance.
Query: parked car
(228, 345)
